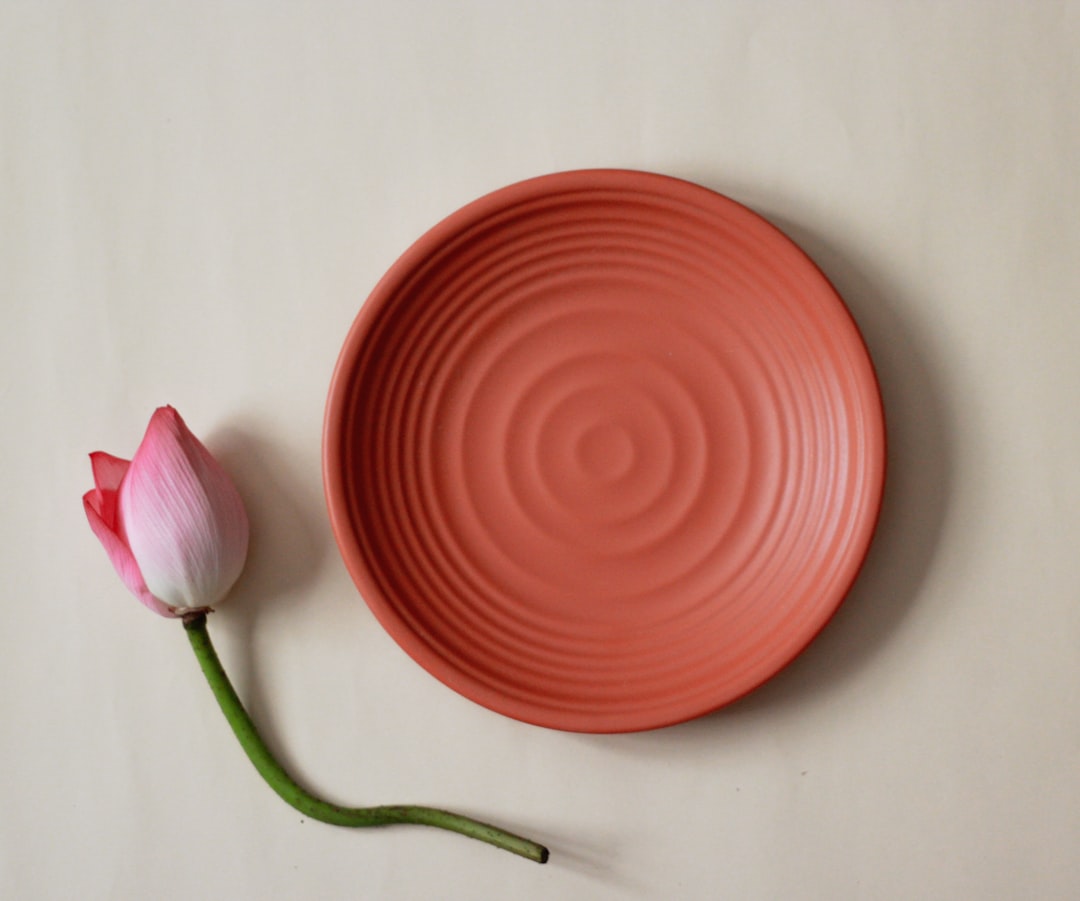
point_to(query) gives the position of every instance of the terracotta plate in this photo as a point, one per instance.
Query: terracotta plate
(604, 450)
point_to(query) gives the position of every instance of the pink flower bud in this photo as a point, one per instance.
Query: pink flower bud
(171, 520)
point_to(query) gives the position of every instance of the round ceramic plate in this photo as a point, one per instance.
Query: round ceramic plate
(604, 451)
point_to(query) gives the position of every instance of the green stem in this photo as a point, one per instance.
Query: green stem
(308, 804)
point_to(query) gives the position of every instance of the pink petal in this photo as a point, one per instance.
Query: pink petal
(182, 516)
(120, 555)
(109, 472)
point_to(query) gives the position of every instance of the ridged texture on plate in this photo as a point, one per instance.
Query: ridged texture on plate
(604, 451)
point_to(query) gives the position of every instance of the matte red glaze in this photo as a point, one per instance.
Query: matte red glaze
(604, 450)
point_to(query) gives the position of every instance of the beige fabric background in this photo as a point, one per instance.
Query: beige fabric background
(195, 198)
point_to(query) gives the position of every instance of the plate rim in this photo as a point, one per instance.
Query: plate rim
(336, 419)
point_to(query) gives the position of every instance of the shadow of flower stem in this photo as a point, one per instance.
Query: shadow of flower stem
(316, 808)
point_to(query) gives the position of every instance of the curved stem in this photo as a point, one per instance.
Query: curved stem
(292, 793)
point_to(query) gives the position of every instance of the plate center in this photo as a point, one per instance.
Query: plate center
(605, 452)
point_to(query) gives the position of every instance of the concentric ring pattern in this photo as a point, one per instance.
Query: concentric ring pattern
(604, 451)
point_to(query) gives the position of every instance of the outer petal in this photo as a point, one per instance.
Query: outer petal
(109, 472)
(122, 559)
(182, 516)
